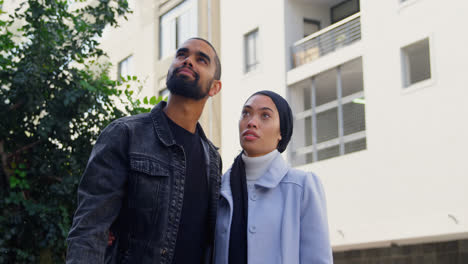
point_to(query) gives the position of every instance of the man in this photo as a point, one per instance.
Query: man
(150, 190)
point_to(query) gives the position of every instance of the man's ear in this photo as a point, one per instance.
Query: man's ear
(215, 88)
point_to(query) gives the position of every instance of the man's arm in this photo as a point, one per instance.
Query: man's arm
(315, 242)
(100, 195)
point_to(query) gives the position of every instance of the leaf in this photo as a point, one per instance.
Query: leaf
(13, 181)
(153, 100)
(145, 100)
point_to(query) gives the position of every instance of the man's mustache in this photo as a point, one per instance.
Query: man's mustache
(196, 75)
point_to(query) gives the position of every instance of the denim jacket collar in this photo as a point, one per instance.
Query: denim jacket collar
(162, 127)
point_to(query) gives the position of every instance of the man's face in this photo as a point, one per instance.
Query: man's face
(192, 71)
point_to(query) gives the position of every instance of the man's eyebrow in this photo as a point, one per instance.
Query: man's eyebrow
(182, 50)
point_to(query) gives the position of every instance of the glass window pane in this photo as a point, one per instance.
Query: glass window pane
(351, 77)
(125, 67)
(185, 27)
(251, 59)
(327, 125)
(177, 25)
(353, 118)
(308, 131)
(325, 84)
(416, 62)
(328, 153)
(307, 98)
(310, 27)
(168, 30)
(356, 145)
(344, 9)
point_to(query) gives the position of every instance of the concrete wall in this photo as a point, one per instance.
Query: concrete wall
(134, 37)
(238, 18)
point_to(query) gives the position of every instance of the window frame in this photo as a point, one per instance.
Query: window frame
(333, 8)
(174, 14)
(404, 67)
(311, 22)
(300, 148)
(247, 66)
(129, 61)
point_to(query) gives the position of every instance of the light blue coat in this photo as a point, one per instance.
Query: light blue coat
(287, 220)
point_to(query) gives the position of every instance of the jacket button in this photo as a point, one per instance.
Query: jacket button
(252, 229)
(163, 251)
(253, 197)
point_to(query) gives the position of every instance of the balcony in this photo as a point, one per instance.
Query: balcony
(327, 40)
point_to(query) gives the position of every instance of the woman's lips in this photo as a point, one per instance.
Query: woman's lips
(250, 135)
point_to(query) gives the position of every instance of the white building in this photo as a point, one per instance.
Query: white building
(378, 89)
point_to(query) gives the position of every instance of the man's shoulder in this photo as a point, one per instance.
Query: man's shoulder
(139, 118)
(142, 118)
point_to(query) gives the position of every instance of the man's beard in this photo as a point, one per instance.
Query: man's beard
(182, 86)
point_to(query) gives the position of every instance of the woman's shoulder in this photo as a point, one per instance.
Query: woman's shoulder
(301, 178)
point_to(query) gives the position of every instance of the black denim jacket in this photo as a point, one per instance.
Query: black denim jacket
(133, 186)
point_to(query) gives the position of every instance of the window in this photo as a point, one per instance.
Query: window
(416, 63)
(311, 26)
(251, 50)
(329, 112)
(343, 10)
(125, 68)
(176, 26)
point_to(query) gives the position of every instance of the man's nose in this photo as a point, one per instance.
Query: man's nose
(188, 61)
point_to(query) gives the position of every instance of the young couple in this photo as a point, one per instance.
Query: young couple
(152, 190)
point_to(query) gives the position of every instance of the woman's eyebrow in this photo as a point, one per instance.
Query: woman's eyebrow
(263, 108)
(266, 108)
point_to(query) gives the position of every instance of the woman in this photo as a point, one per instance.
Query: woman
(269, 212)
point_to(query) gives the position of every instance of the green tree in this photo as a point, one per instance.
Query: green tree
(53, 103)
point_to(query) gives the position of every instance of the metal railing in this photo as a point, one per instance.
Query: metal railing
(327, 40)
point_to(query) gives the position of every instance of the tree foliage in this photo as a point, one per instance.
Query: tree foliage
(52, 106)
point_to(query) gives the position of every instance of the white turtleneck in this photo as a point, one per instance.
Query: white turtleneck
(255, 167)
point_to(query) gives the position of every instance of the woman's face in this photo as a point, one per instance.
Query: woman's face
(259, 126)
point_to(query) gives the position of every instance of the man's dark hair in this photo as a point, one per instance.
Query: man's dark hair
(217, 74)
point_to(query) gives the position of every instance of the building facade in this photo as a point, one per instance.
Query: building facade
(378, 94)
